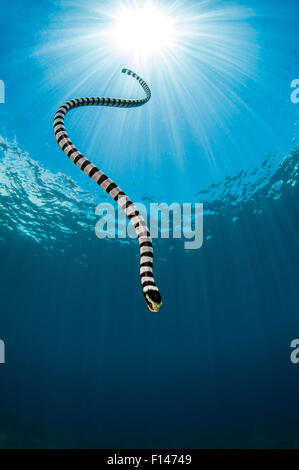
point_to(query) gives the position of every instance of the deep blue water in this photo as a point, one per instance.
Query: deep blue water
(87, 364)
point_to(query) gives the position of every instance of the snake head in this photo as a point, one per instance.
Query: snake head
(153, 300)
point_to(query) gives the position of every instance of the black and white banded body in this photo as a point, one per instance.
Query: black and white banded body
(149, 288)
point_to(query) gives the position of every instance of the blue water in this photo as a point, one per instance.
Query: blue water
(87, 365)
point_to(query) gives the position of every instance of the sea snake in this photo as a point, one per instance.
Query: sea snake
(150, 290)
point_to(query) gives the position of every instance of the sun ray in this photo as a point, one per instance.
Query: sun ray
(198, 56)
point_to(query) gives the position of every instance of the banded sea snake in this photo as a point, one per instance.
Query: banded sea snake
(150, 290)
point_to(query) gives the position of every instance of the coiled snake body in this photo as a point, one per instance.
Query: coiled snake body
(149, 288)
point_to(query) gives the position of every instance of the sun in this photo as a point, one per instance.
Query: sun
(143, 30)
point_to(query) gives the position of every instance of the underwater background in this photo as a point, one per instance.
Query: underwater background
(87, 365)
